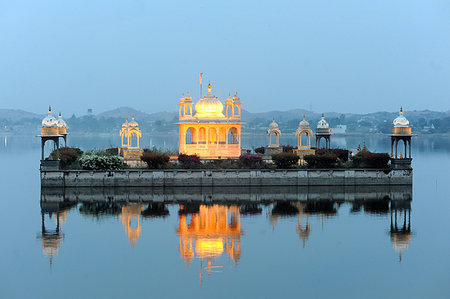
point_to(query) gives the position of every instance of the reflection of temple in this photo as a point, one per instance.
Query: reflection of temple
(210, 231)
(400, 230)
(130, 213)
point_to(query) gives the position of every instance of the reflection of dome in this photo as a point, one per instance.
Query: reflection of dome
(49, 121)
(208, 248)
(401, 120)
(209, 106)
(400, 240)
(323, 124)
(304, 125)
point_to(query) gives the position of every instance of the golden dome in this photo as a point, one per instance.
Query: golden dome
(125, 124)
(209, 106)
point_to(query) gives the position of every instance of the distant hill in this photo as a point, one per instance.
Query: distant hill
(123, 112)
(18, 114)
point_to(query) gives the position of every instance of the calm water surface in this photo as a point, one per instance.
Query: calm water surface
(260, 249)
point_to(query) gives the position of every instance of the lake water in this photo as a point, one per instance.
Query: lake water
(238, 243)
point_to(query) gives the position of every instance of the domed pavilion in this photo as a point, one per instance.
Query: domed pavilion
(304, 129)
(274, 130)
(401, 131)
(209, 133)
(52, 128)
(323, 131)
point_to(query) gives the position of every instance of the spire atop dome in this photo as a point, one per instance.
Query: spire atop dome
(209, 87)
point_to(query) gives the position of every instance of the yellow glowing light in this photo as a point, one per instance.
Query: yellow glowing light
(207, 248)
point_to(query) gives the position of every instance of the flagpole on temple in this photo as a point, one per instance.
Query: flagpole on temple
(201, 74)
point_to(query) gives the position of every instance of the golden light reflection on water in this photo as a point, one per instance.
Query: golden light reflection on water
(211, 231)
(208, 232)
(130, 213)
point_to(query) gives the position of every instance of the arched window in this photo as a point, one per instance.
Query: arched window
(222, 136)
(229, 111)
(188, 110)
(237, 110)
(233, 137)
(202, 136)
(212, 136)
(190, 136)
(181, 110)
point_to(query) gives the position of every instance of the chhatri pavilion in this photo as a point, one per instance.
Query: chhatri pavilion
(214, 131)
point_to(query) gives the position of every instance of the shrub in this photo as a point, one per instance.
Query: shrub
(323, 160)
(251, 161)
(373, 160)
(189, 161)
(285, 160)
(260, 150)
(155, 160)
(113, 151)
(341, 154)
(96, 161)
(287, 148)
(67, 155)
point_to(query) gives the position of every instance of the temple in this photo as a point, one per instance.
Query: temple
(209, 133)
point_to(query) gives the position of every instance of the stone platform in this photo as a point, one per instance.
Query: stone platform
(225, 177)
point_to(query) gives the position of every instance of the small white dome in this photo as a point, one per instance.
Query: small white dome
(49, 121)
(323, 124)
(304, 125)
(133, 123)
(273, 125)
(401, 121)
(61, 122)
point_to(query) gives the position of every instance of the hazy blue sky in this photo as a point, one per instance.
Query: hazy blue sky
(356, 56)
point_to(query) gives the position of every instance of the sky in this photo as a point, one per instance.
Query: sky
(325, 55)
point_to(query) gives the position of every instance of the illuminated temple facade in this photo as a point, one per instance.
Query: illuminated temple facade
(214, 131)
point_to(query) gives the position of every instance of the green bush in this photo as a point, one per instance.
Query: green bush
(189, 161)
(371, 160)
(67, 156)
(98, 161)
(113, 151)
(324, 160)
(340, 153)
(260, 150)
(285, 160)
(251, 161)
(155, 160)
(287, 148)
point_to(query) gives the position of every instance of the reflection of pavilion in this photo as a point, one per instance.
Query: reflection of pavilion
(130, 213)
(51, 238)
(210, 231)
(303, 211)
(400, 230)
